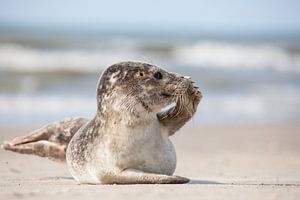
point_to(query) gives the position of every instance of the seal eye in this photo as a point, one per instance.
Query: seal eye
(158, 75)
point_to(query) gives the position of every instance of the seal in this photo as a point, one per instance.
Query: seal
(127, 141)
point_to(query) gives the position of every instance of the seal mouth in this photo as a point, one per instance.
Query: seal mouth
(166, 95)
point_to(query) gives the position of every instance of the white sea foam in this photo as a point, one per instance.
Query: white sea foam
(238, 56)
(245, 102)
(223, 55)
(269, 104)
(19, 58)
(48, 105)
(214, 109)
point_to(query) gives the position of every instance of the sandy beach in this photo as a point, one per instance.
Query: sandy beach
(223, 162)
(244, 56)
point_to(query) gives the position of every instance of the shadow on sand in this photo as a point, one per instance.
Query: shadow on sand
(200, 182)
(204, 182)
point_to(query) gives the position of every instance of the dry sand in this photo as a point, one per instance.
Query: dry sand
(238, 162)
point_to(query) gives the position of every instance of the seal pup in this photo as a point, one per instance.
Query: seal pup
(126, 142)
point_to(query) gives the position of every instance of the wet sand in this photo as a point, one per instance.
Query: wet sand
(224, 162)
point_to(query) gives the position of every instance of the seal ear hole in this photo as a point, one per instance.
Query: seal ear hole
(141, 74)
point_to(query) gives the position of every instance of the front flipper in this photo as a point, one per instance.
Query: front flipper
(175, 117)
(50, 141)
(132, 176)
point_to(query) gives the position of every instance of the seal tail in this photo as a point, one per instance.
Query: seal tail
(50, 141)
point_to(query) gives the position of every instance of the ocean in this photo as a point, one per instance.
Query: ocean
(45, 78)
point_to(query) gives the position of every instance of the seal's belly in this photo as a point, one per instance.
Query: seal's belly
(161, 160)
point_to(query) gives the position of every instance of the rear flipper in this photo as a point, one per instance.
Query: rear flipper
(50, 141)
(132, 176)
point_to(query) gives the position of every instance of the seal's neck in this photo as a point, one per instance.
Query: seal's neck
(120, 109)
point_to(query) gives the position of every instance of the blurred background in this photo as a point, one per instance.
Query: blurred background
(244, 55)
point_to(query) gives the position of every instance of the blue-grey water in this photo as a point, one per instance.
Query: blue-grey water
(46, 78)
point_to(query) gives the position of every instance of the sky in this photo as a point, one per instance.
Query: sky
(192, 15)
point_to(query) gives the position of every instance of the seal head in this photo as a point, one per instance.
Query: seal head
(139, 87)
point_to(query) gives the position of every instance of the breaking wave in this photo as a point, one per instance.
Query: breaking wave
(238, 56)
(204, 54)
(252, 93)
(214, 108)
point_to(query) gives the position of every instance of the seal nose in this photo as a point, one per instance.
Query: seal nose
(197, 88)
(200, 93)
